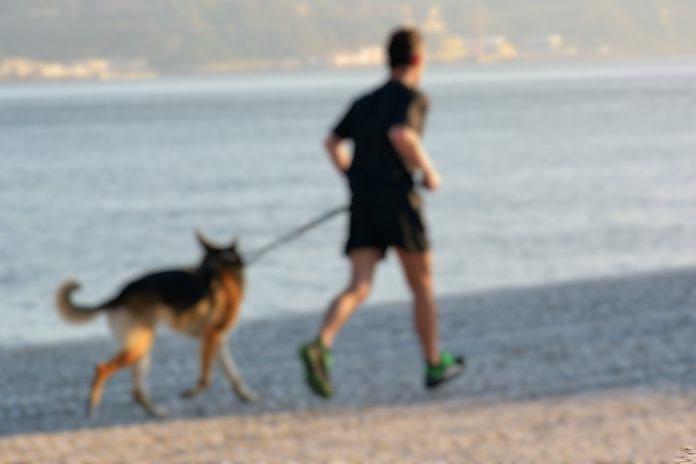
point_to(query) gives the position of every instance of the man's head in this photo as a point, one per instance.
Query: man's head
(406, 51)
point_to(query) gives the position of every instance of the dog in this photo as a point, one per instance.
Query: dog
(203, 302)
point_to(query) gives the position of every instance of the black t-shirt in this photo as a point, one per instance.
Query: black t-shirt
(377, 168)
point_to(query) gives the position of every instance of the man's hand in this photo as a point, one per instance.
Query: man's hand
(407, 143)
(338, 152)
(431, 179)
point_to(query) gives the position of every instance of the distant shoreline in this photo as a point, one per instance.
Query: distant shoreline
(159, 75)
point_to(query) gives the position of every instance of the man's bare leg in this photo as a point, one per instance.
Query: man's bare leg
(418, 269)
(363, 264)
(316, 356)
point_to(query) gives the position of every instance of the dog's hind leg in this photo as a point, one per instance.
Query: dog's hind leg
(230, 367)
(137, 344)
(209, 348)
(140, 390)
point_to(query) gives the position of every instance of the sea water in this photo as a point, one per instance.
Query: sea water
(551, 172)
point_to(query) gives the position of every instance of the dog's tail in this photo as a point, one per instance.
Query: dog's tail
(70, 311)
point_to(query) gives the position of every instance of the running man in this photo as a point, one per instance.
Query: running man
(385, 126)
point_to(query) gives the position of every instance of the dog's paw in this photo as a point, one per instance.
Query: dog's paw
(247, 395)
(155, 411)
(91, 409)
(158, 412)
(150, 408)
(192, 393)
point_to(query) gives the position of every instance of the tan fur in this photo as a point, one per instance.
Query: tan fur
(69, 311)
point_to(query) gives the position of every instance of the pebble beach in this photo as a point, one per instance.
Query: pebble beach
(594, 371)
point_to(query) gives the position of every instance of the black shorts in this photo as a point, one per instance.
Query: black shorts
(384, 221)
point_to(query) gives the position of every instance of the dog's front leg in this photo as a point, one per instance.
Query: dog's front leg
(209, 347)
(230, 368)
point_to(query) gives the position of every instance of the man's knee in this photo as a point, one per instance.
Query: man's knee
(360, 291)
(422, 287)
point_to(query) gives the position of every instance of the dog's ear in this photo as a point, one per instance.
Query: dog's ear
(204, 242)
(235, 244)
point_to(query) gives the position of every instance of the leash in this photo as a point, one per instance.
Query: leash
(258, 254)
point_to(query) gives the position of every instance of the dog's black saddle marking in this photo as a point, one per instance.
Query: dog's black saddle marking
(178, 289)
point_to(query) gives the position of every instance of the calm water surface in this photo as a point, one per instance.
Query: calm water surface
(551, 173)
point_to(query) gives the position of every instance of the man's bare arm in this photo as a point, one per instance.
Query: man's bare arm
(407, 143)
(338, 152)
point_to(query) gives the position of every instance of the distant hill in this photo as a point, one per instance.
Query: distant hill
(179, 35)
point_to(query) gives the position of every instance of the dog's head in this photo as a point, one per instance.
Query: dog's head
(218, 258)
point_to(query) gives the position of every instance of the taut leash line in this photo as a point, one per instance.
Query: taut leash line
(258, 254)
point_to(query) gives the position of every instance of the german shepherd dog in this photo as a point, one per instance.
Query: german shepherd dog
(203, 302)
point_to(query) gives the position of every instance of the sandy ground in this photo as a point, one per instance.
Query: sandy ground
(588, 372)
(632, 428)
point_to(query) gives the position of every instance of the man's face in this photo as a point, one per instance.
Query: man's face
(419, 66)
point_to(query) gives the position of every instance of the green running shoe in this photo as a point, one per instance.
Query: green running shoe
(449, 368)
(316, 359)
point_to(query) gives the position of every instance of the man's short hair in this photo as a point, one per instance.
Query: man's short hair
(404, 44)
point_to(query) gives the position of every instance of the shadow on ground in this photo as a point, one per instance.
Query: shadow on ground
(634, 332)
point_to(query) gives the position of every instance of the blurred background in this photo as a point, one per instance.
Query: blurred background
(126, 38)
(564, 132)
